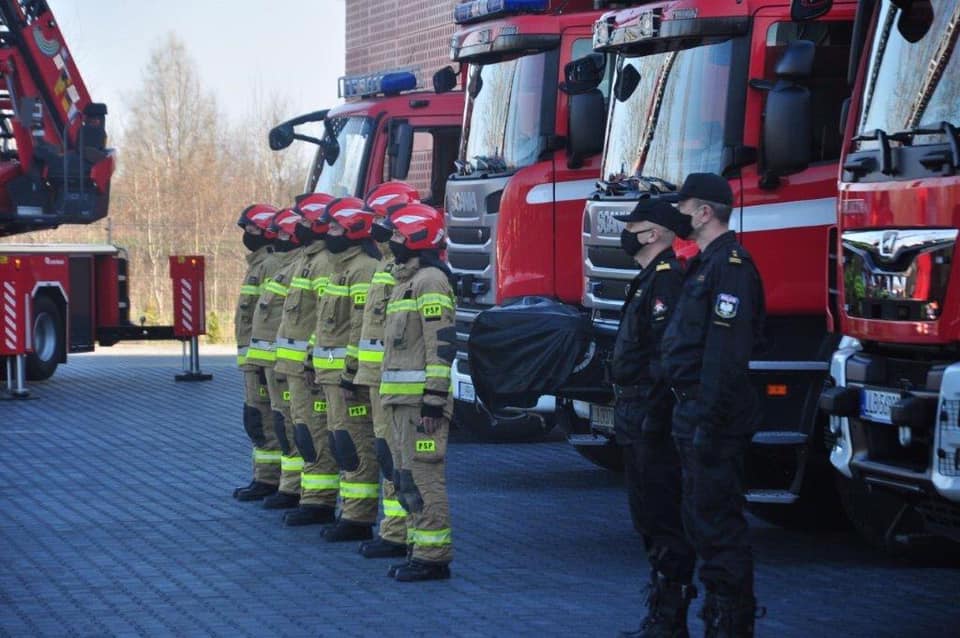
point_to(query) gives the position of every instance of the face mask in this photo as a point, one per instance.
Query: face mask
(380, 234)
(304, 234)
(337, 243)
(685, 228)
(254, 242)
(629, 242)
(401, 253)
(283, 245)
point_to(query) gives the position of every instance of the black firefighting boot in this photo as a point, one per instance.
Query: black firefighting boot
(417, 570)
(309, 515)
(380, 548)
(257, 491)
(237, 490)
(281, 501)
(667, 605)
(726, 616)
(347, 531)
(392, 572)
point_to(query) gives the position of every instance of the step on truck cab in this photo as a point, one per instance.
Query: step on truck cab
(894, 289)
(747, 90)
(515, 200)
(387, 129)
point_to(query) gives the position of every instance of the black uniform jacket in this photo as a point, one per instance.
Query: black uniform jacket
(707, 346)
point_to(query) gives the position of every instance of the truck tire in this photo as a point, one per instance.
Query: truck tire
(511, 429)
(48, 340)
(609, 456)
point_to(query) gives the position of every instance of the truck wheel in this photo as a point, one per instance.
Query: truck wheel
(609, 456)
(511, 428)
(48, 340)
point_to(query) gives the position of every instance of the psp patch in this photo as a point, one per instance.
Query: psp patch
(727, 306)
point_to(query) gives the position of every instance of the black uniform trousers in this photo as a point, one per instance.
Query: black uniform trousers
(712, 466)
(653, 481)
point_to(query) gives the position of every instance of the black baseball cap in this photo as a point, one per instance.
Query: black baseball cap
(706, 186)
(657, 211)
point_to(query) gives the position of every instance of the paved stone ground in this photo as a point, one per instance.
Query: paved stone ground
(116, 519)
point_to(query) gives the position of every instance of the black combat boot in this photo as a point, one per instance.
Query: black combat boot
(380, 548)
(392, 572)
(667, 605)
(257, 491)
(726, 616)
(281, 501)
(417, 570)
(347, 531)
(309, 515)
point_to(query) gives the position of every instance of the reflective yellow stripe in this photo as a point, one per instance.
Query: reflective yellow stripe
(393, 508)
(370, 356)
(432, 537)
(261, 355)
(291, 463)
(303, 283)
(288, 354)
(352, 351)
(241, 359)
(359, 293)
(410, 531)
(250, 289)
(435, 298)
(271, 457)
(336, 290)
(319, 284)
(241, 355)
(402, 388)
(320, 406)
(276, 288)
(438, 371)
(402, 305)
(329, 358)
(383, 278)
(319, 481)
(359, 490)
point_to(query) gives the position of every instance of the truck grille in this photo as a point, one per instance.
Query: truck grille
(949, 464)
(897, 275)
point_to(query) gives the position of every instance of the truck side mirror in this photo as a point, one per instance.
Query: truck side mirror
(627, 81)
(444, 80)
(281, 136)
(915, 19)
(583, 74)
(586, 127)
(787, 121)
(400, 150)
(804, 10)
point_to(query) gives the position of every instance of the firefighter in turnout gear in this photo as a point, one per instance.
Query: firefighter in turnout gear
(261, 263)
(391, 541)
(291, 350)
(651, 462)
(354, 258)
(266, 319)
(419, 348)
(706, 350)
(320, 479)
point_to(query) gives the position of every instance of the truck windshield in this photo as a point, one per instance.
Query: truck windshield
(342, 178)
(672, 123)
(911, 85)
(502, 119)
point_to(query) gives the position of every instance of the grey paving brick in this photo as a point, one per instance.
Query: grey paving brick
(116, 519)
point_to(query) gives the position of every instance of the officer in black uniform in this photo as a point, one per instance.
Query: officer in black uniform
(706, 349)
(650, 458)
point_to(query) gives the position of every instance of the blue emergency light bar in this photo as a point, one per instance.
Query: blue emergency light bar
(391, 82)
(474, 10)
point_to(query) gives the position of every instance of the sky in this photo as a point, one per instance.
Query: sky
(290, 48)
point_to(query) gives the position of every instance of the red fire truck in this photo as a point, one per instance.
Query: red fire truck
(387, 130)
(747, 90)
(894, 408)
(55, 169)
(515, 200)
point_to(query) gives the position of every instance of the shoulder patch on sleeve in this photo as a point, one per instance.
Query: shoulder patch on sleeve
(735, 257)
(726, 306)
(659, 309)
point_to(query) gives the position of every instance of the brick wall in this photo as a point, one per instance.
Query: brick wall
(383, 34)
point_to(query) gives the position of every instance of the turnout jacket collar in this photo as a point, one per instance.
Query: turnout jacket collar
(405, 271)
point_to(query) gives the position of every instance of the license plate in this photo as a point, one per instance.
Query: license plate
(875, 404)
(601, 417)
(466, 392)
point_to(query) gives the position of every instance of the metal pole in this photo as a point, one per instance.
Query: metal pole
(20, 390)
(194, 355)
(9, 362)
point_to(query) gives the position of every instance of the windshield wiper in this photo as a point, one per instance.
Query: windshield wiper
(490, 163)
(621, 185)
(936, 159)
(864, 165)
